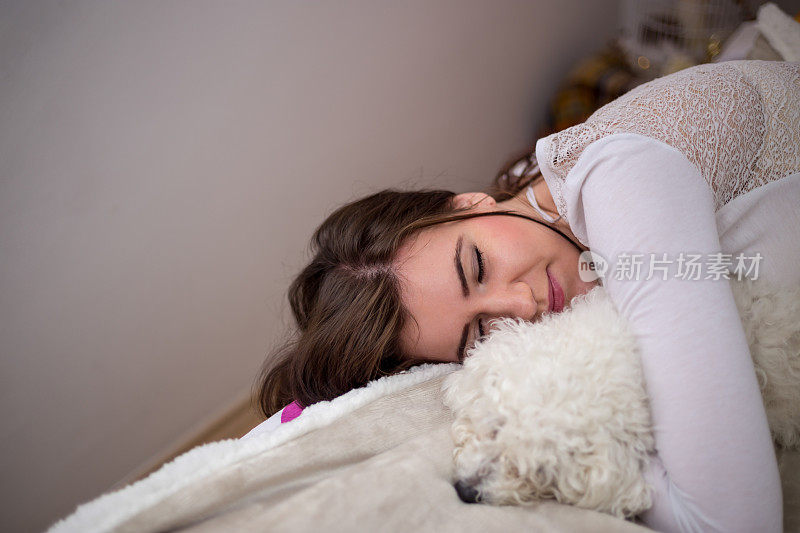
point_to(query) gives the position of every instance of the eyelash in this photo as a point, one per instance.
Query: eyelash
(479, 257)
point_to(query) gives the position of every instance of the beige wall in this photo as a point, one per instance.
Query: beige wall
(162, 165)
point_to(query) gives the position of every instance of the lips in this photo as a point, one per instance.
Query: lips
(556, 294)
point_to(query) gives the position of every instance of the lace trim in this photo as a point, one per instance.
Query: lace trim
(738, 122)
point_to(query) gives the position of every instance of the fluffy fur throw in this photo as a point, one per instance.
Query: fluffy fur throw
(558, 409)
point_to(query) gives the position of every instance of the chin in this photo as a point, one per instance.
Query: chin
(581, 288)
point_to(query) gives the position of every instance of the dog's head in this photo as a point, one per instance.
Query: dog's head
(496, 464)
(516, 465)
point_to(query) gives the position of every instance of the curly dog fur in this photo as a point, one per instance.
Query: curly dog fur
(558, 409)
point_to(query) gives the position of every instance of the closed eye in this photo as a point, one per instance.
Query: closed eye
(479, 258)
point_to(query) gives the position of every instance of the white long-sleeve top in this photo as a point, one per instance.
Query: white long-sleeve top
(715, 467)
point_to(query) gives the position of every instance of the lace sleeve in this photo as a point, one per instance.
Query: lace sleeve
(737, 122)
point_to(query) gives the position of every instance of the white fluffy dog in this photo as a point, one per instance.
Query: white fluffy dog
(558, 409)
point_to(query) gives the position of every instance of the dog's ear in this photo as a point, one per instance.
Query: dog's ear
(466, 492)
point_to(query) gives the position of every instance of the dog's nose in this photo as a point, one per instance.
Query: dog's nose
(466, 492)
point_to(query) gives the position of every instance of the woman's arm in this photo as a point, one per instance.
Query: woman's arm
(715, 468)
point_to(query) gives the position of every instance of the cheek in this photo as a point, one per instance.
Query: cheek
(520, 243)
(569, 266)
(544, 244)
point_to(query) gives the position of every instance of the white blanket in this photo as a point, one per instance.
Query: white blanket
(375, 459)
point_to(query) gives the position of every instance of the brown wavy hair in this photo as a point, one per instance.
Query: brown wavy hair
(347, 303)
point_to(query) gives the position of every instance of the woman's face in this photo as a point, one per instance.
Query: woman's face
(457, 276)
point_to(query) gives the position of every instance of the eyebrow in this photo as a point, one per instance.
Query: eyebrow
(465, 291)
(459, 268)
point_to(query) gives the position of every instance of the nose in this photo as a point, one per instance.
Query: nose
(466, 492)
(514, 300)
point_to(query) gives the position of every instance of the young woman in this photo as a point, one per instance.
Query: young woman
(702, 163)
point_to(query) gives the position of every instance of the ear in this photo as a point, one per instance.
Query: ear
(479, 200)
